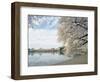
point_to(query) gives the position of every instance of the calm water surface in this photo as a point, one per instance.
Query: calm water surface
(46, 59)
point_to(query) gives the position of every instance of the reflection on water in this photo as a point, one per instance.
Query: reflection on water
(46, 58)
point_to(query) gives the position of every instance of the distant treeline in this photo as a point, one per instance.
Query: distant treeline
(43, 50)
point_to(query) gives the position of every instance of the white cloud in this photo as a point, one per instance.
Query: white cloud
(43, 39)
(35, 22)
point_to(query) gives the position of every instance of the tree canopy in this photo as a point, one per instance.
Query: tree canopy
(73, 33)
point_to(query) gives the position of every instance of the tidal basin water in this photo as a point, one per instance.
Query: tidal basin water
(48, 59)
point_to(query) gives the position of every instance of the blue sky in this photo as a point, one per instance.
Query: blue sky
(43, 22)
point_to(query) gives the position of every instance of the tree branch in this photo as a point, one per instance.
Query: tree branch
(83, 36)
(78, 24)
